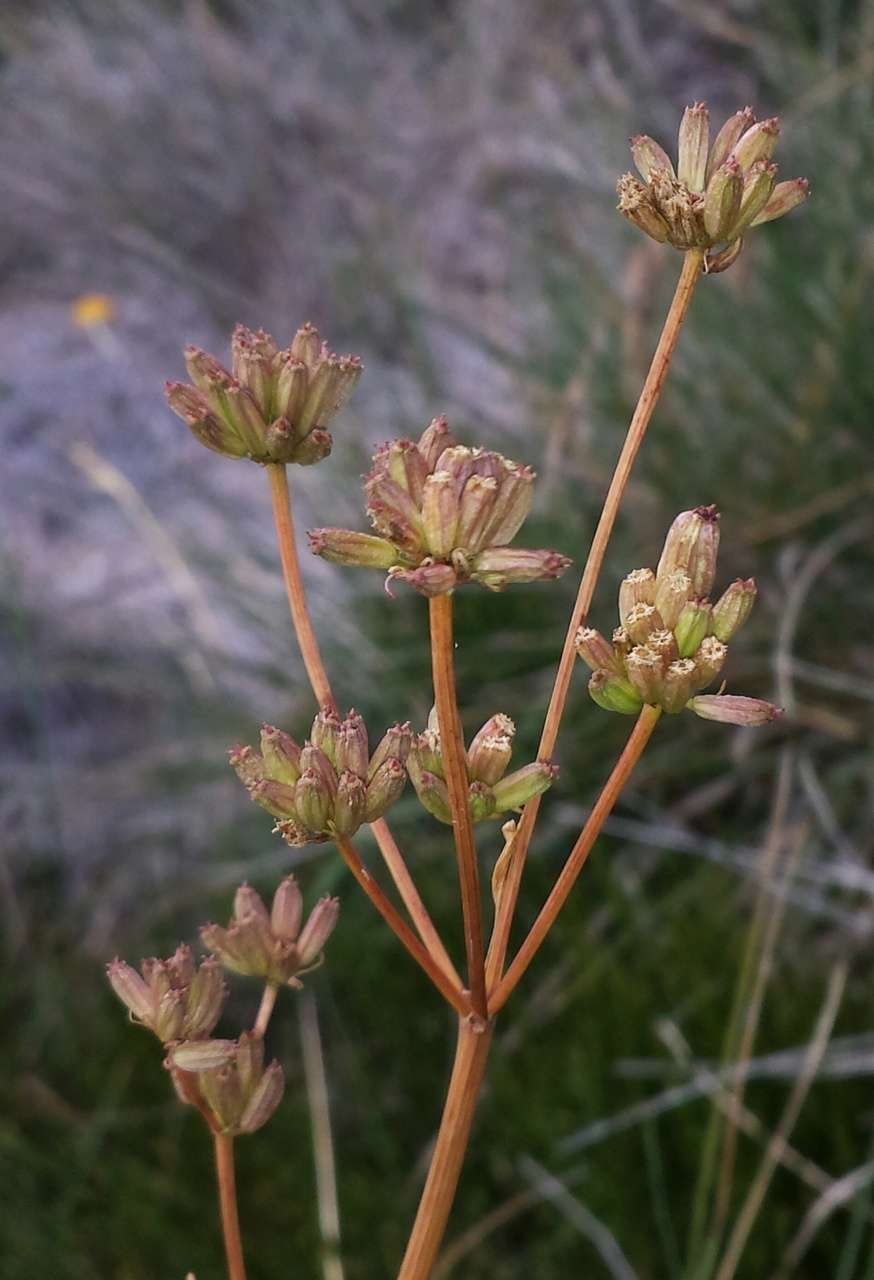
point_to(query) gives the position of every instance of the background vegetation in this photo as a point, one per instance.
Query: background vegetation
(432, 183)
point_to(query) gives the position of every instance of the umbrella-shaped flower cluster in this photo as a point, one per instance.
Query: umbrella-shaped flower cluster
(716, 193)
(672, 642)
(272, 406)
(444, 515)
(329, 786)
(491, 790)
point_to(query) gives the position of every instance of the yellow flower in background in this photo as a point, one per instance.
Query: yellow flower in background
(92, 309)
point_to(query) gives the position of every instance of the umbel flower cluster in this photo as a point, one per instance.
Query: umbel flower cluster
(274, 405)
(271, 944)
(329, 786)
(444, 515)
(491, 790)
(672, 642)
(174, 998)
(716, 193)
(227, 1081)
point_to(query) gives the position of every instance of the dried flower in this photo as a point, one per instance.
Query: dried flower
(275, 405)
(717, 193)
(443, 515)
(272, 945)
(228, 1082)
(330, 786)
(672, 640)
(491, 791)
(174, 998)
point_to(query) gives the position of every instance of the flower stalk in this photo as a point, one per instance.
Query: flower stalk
(455, 768)
(227, 1186)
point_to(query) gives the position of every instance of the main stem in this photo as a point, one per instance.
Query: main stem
(471, 1052)
(454, 757)
(639, 737)
(652, 387)
(224, 1165)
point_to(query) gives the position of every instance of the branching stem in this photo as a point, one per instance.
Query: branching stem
(652, 387)
(454, 757)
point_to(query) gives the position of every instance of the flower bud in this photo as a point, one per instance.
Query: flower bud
(210, 428)
(709, 661)
(727, 139)
(498, 567)
(280, 754)
(645, 670)
(692, 626)
(247, 764)
(716, 262)
(352, 748)
(313, 801)
(692, 545)
(475, 513)
(758, 186)
(596, 651)
(173, 998)
(723, 200)
(306, 345)
(317, 930)
(245, 416)
(325, 734)
(648, 156)
(638, 587)
(729, 709)
(290, 390)
(694, 143)
(641, 620)
(384, 788)
(431, 790)
(434, 441)
(515, 494)
(286, 910)
(489, 757)
(663, 644)
(672, 594)
(614, 693)
(481, 801)
(314, 759)
(313, 448)
(733, 608)
(785, 197)
(678, 685)
(757, 143)
(252, 357)
(429, 579)
(350, 804)
(440, 513)
(395, 745)
(202, 1055)
(277, 798)
(517, 788)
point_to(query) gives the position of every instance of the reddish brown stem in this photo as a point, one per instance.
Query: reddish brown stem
(265, 1009)
(632, 751)
(454, 757)
(318, 677)
(224, 1165)
(446, 1162)
(400, 928)
(306, 636)
(652, 387)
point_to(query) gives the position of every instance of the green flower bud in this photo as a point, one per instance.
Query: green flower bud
(440, 513)
(517, 788)
(489, 757)
(757, 143)
(481, 800)
(722, 202)
(431, 790)
(614, 693)
(290, 389)
(384, 787)
(785, 197)
(350, 805)
(325, 734)
(692, 626)
(352, 746)
(733, 608)
(498, 567)
(727, 139)
(313, 801)
(758, 186)
(672, 594)
(280, 754)
(395, 745)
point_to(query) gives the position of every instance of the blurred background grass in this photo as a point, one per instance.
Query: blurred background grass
(432, 184)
